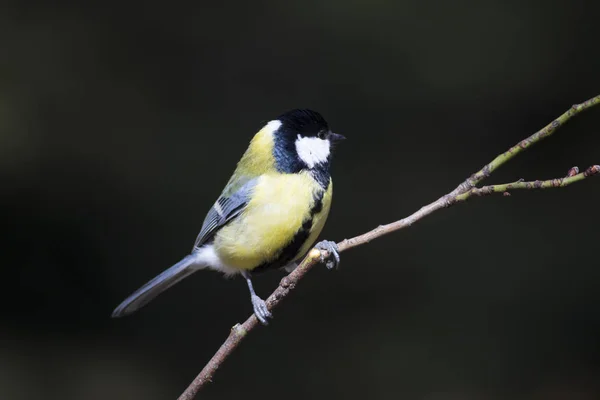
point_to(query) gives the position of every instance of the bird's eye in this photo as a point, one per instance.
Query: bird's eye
(321, 134)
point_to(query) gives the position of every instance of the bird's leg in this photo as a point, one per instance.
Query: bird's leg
(259, 305)
(333, 261)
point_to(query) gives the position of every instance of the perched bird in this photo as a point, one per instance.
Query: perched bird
(270, 212)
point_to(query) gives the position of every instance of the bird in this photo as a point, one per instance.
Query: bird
(269, 214)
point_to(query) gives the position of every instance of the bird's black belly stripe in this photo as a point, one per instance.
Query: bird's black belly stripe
(290, 251)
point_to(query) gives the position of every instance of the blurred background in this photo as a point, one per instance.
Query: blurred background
(120, 123)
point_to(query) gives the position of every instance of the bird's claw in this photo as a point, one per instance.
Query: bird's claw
(333, 260)
(260, 310)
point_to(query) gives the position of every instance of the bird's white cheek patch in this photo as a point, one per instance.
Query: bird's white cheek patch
(312, 150)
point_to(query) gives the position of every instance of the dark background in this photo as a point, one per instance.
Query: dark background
(120, 124)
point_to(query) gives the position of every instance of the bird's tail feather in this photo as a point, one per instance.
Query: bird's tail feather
(156, 286)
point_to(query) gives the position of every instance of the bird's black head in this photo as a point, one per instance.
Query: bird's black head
(305, 122)
(303, 140)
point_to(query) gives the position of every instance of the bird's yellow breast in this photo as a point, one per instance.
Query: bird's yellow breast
(281, 206)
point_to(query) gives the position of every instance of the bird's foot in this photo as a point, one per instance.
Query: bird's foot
(260, 310)
(333, 260)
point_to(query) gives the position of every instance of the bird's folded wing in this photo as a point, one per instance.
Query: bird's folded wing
(228, 206)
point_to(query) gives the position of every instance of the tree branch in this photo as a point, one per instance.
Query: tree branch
(462, 192)
(505, 188)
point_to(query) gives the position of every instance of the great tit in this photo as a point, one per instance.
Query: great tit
(270, 213)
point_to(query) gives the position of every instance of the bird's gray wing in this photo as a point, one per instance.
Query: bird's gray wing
(228, 206)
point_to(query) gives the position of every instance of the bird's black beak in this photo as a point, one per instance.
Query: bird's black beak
(336, 137)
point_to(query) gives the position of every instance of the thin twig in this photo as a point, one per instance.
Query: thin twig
(505, 188)
(462, 192)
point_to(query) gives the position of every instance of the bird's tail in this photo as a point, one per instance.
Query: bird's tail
(156, 286)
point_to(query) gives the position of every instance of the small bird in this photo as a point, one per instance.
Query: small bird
(270, 213)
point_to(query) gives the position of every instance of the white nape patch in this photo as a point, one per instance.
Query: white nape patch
(272, 126)
(206, 256)
(312, 150)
